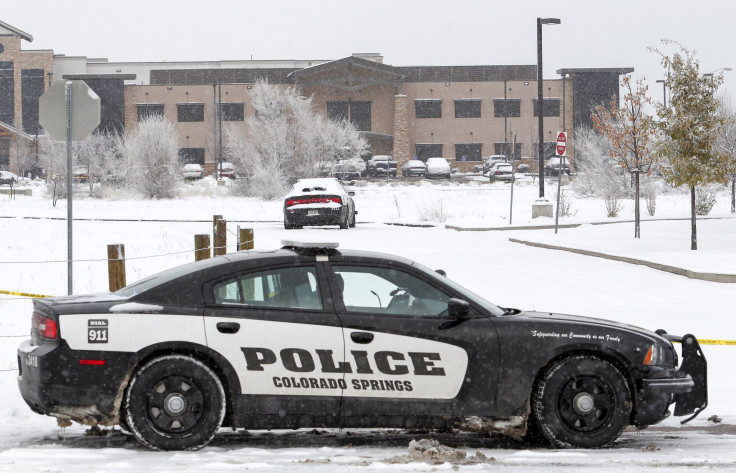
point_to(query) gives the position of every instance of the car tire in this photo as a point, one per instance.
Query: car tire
(345, 222)
(352, 222)
(581, 402)
(175, 402)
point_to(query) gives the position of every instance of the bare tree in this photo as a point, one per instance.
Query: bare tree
(690, 127)
(629, 134)
(727, 140)
(150, 151)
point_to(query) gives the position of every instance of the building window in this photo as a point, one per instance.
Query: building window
(428, 108)
(32, 86)
(357, 113)
(505, 150)
(191, 156)
(551, 107)
(190, 112)
(550, 149)
(471, 151)
(428, 150)
(507, 107)
(467, 108)
(232, 112)
(7, 93)
(150, 110)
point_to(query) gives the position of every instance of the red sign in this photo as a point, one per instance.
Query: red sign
(561, 143)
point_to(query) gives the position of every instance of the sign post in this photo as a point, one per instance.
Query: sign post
(561, 149)
(69, 111)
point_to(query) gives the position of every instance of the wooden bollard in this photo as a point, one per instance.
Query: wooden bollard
(245, 239)
(201, 247)
(116, 266)
(219, 235)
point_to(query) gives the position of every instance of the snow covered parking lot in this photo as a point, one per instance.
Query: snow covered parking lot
(506, 273)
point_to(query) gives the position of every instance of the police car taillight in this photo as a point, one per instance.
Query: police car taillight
(45, 327)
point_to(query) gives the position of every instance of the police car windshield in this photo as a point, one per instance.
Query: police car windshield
(467, 294)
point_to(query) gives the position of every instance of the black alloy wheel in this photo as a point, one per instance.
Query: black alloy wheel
(583, 402)
(175, 402)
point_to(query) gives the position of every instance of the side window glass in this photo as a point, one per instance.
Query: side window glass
(388, 291)
(285, 287)
(228, 292)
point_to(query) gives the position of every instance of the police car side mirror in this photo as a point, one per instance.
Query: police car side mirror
(458, 309)
(351, 193)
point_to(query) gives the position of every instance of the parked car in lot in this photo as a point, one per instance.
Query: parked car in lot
(501, 172)
(491, 160)
(414, 167)
(381, 165)
(349, 169)
(226, 170)
(8, 178)
(192, 171)
(319, 201)
(288, 338)
(555, 165)
(438, 167)
(523, 168)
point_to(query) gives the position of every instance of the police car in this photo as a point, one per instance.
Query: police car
(312, 336)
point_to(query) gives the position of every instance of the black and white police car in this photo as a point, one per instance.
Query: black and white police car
(309, 335)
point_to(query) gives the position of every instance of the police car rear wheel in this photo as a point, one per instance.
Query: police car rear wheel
(582, 402)
(175, 403)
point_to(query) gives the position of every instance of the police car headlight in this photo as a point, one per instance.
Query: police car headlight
(654, 356)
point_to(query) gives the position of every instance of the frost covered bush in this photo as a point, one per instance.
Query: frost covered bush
(613, 205)
(649, 190)
(151, 152)
(596, 173)
(705, 199)
(565, 204)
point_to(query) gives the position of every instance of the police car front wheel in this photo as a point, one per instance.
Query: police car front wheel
(175, 402)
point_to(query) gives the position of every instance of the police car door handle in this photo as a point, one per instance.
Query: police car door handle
(362, 337)
(228, 327)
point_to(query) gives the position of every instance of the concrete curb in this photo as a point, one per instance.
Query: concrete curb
(575, 225)
(712, 277)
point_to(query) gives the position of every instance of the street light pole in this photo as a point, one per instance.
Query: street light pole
(540, 97)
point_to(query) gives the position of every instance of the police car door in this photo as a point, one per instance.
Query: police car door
(283, 339)
(408, 357)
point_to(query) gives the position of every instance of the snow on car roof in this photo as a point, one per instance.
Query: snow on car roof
(317, 185)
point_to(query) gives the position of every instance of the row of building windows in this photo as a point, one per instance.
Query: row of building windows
(194, 112)
(359, 112)
(474, 151)
(470, 108)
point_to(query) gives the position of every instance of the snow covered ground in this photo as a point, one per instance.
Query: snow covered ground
(33, 260)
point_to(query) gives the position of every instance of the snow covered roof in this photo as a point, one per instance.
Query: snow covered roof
(13, 30)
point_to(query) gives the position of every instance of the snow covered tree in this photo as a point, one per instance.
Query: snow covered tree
(629, 134)
(24, 158)
(98, 154)
(597, 173)
(151, 153)
(286, 140)
(690, 127)
(727, 141)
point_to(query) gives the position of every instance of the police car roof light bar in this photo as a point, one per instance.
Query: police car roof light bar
(315, 245)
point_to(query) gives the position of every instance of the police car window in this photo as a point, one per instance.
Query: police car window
(388, 291)
(283, 287)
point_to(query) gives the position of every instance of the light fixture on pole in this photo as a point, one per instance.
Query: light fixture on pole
(664, 91)
(540, 97)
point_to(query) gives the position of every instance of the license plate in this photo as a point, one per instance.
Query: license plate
(312, 213)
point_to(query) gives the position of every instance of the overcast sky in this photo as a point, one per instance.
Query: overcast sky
(593, 33)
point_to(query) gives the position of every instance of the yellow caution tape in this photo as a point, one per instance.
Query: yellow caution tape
(23, 294)
(716, 342)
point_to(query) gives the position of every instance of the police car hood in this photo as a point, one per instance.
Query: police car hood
(566, 320)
